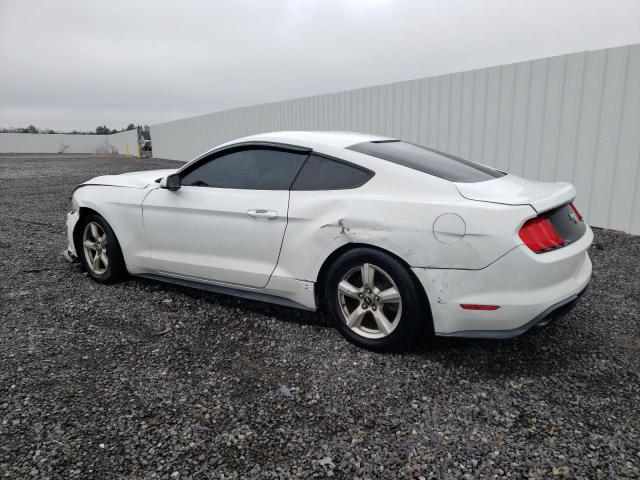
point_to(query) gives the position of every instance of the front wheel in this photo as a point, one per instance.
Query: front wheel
(374, 299)
(100, 251)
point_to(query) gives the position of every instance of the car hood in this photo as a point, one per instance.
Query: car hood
(132, 179)
(514, 190)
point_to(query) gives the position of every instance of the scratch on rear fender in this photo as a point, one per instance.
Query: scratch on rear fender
(401, 241)
(344, 230)
(440, 284)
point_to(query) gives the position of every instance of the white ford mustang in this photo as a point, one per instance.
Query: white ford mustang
(386, 235)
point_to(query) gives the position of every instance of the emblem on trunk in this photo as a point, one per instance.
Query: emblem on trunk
(573, 218)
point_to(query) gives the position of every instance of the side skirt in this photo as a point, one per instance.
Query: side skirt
(236, 292)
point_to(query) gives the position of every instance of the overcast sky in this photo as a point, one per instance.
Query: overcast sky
(74, 64)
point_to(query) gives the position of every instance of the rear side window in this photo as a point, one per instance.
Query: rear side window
(320, 173)
(429, 161)
(255, 169)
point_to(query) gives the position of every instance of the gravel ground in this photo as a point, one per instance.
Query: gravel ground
(145, 380)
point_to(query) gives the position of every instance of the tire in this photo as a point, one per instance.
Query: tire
(360, 307)
(109, 267)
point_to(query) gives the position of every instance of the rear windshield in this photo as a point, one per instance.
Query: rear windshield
(429, 161)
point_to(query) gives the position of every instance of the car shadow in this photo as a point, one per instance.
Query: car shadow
(281, 312)
(550, 350)
(535, 353)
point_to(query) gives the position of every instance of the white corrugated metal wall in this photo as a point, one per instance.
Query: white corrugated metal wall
(69, 143)
(122, 141)
(52, 143)
(573, 118)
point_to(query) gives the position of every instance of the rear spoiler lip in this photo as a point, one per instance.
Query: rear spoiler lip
(562, 197)
(562, 194)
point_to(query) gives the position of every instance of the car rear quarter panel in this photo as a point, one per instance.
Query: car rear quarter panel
(396, 211)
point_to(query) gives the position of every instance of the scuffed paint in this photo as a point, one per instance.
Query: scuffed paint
(344, 230)
(355, 227)
(402, 242)
(439, 287)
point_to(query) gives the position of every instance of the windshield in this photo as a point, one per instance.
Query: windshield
(429, 161)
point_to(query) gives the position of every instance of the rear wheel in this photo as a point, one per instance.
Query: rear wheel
(374, 299)
(100, 251)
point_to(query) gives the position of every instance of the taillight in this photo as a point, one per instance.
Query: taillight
(575, 210)
(540, 235)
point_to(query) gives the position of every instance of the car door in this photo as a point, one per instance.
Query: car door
(227, 221)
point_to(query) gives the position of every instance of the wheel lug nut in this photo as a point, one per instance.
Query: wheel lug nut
(368, 290)
(364, 306)
(360, 295)
(374, 308)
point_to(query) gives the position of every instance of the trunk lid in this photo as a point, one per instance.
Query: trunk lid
(514, 190)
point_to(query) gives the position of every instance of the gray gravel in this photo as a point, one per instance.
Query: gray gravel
(145, 380)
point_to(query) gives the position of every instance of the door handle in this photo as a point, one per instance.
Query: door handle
(269, 214)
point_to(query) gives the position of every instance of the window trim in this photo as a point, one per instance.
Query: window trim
(242, 146)
(370, 173)
(284, 147)
(479, 166)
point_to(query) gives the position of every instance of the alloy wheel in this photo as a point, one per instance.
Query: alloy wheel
(94, 242)
(370, 301)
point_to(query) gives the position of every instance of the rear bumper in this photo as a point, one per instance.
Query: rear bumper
(529, 288)
(551, 314)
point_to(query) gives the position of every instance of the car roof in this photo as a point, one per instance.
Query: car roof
(329, 138)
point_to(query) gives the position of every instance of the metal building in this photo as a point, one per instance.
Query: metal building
(573, 118)
(124, 143)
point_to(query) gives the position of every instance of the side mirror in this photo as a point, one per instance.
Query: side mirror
(171, 182)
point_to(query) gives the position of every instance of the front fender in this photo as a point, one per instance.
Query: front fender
(121, 207)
